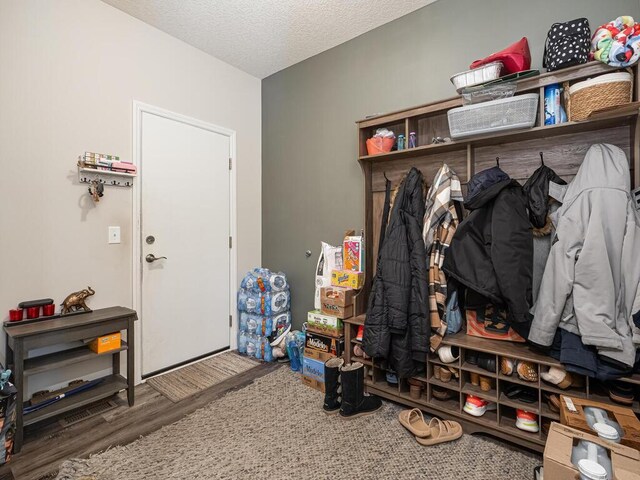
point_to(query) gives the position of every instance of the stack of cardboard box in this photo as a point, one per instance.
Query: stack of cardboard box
(325, 330)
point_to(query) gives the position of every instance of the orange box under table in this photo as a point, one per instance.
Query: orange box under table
(106, 343)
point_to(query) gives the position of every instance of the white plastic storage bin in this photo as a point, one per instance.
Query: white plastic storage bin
(494, 116)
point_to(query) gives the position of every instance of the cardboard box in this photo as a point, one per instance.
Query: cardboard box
(339, 296)
(329, 325)
(625, 461)
(353, 253)
(347, 278)
(572, 414)
(105, 343)
(315, 384)
(325, 344)
(335, 310)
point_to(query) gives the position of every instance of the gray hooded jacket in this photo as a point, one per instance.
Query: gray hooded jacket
(594, 260)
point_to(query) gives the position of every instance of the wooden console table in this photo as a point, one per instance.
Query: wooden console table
(21, 338)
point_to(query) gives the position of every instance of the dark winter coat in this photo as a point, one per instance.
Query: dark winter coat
(397, 326)
(492, 250)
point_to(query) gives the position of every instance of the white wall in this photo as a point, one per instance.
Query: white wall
(69, 71)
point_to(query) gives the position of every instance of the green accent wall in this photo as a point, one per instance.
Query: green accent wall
(312, 187)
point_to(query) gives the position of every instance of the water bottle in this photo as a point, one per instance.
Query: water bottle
(259, 348)
(400, 142)
(268, 354)
(242, 343)
(412, 140)
(251, 345)
(269, 326)
(294, 356)
(243, 321)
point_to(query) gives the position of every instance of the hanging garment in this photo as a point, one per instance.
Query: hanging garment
(396, 326)
(593, 260)
(492, 250)
(540, 206)
(443, 212)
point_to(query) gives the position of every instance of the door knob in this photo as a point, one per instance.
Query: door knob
(152, 258)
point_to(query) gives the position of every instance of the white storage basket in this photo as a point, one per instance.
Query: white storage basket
(494, 116)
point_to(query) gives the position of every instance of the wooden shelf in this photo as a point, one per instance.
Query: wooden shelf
(546, 412)
(497, 347)
(508, 424)
(109, 385)
(61, 359)
(475, 390)
(453, 384)
(571, 392)
(468, 367)
(362, 360)
(514, 378)
(529, 407)
(359, 320)
(433, 359)
(621, 118)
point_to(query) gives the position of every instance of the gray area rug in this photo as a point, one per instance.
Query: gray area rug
(275, 429)
(189, 380)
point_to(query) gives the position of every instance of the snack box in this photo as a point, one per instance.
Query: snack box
(625, 461)
(329, 325)
(105, 343)
(347, 278)
(340, 296)
(353, 253)
(324, 343)
(572, 414)
(340, 312)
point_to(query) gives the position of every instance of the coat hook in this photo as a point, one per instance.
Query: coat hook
(541, 159)
(498, 162)
(385, 176)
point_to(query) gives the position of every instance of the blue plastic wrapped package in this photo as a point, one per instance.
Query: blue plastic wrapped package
(249, 322)
(242, 342)
(251, 345)
(267, 303)
(267, 354)
(264, 280)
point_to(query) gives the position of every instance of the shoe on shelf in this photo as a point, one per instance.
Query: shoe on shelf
(436, 372)
(527, 371)
(553, 401)
(475, 378)
(621, 392)
(477, 406)
(356, 403)
(486, 383)
(506, 366)
(392, 378)
(472, 357)
(360, 333)
(358, 351)
(527, 421)
(441, 393)
(448, 354)
(445, 374)
(557, 376)
(487, 362)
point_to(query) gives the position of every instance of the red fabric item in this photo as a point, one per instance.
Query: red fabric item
(515, 58)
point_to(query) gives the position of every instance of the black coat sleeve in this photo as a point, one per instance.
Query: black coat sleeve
(512, 253)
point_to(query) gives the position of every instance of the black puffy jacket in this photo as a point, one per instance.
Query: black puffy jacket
(492, 250)
(397, 326)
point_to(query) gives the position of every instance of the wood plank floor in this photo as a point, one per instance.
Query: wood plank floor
(45, 448)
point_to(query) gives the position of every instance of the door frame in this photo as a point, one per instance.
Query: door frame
(138, 109)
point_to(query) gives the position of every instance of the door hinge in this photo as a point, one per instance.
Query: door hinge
(230, 242)
(230, 320)
(230, 163)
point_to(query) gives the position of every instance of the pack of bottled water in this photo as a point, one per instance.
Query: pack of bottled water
(264, 302)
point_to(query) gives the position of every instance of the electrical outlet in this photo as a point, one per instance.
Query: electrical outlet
(114, 234)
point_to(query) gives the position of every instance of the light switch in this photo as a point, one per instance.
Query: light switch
(114, 234)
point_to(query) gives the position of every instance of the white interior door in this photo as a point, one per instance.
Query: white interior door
(185, 217)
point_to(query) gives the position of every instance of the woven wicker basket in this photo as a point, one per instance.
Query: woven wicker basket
(597, 93)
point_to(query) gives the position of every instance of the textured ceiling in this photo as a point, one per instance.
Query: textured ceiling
(262, 37)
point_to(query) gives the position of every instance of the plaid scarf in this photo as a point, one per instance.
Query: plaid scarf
(440, 223)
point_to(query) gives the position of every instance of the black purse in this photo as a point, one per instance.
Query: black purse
(568, 44)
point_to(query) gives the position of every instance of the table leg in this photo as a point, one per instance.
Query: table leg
(18, 376)
(131, 377)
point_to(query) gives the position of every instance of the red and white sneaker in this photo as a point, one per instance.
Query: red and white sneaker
(360, 333)
(477, 406)
(527, 421)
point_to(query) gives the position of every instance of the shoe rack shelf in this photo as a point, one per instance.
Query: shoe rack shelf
(501, 422)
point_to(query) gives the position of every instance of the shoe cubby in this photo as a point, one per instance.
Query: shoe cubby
(506, 397)
(483, 386)
(507, 418)
(397, 127)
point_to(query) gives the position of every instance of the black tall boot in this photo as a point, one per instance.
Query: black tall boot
(332, 387)
(355, 402)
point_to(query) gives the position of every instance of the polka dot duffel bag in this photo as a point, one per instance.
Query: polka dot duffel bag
(568, 44)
